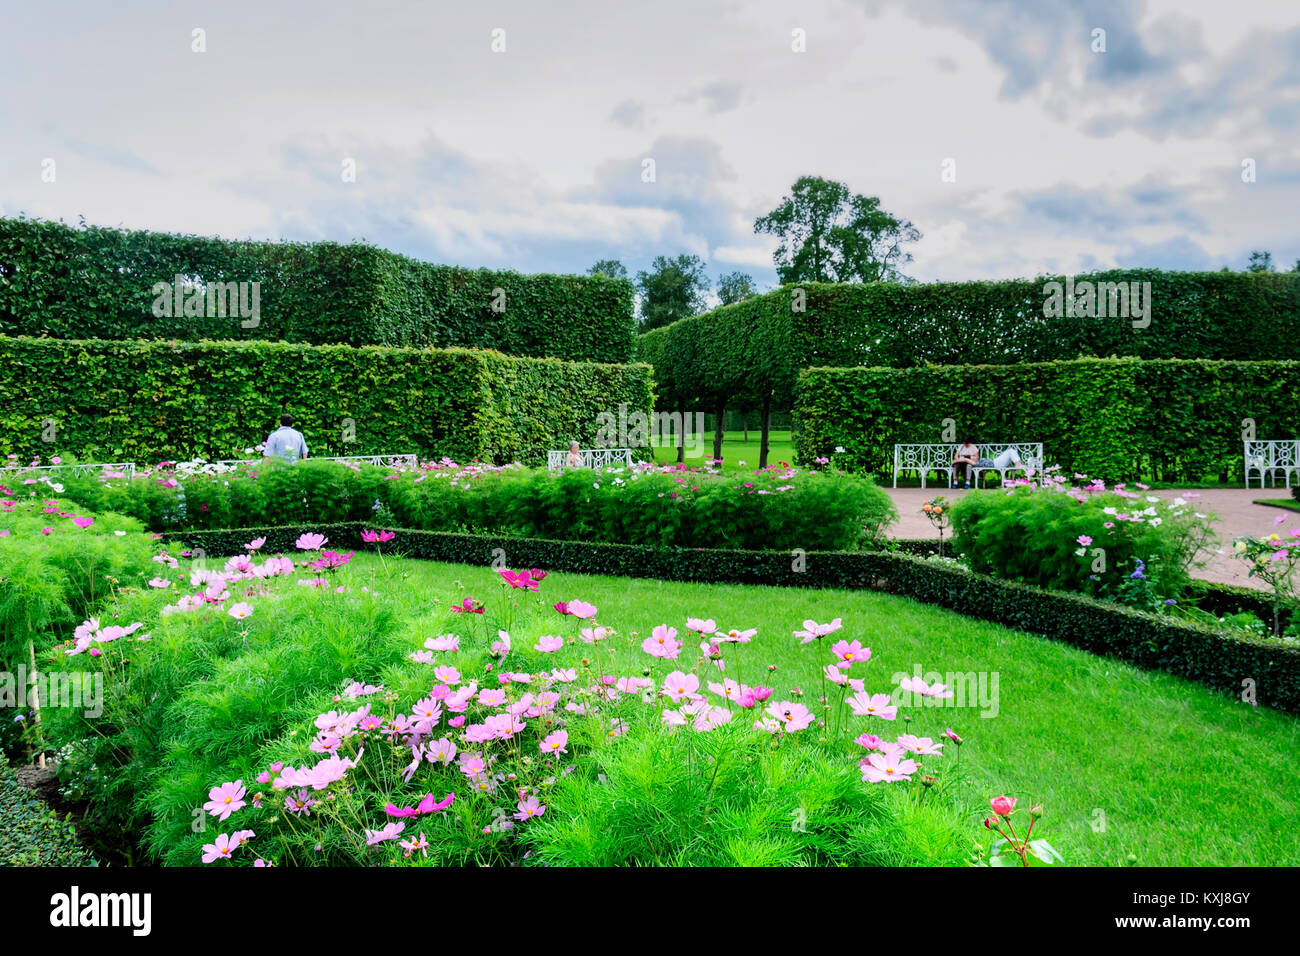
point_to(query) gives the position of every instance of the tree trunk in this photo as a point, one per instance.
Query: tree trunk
(681, 432)
(744, 424)
(765, 424)
(719, 428)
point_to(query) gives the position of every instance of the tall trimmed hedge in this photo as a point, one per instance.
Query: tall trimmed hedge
(150, 400)
(1115, 419)
(762, 343)
(93, 282)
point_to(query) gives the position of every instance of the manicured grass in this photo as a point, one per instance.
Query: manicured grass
(1290, 504)
(1121, 759)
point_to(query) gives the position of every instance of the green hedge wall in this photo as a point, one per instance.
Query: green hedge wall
(92, 282)
(1218, 660)
(1115, 419)
(762, 343)
(150, 400)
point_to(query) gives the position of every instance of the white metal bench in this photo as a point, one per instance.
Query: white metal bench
(1268, 458)
(926, 459)
(591, 458)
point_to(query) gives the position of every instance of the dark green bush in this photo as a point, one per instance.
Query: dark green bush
(142, 401)
(1122, 419)
(98, 283)
(32, 834)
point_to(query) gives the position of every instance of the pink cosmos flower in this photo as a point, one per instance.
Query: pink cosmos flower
(919, 745)
(225, 799)
(447, 674)
(310, 541)
(410, 846)
(812, 630)
(160, 583)
(1003, 806)
(530, 808)
(735, 636)
(952, 735)
(701, 626)
(240, 611)
(888, 768)
(581, 609)
(255, 544)
(390, 832)
(448, 642)
(874, 705)
(679, 684)
(662, 643)
(467, 606)
(1084, 540)
(555, 743)
(377, 537)
(917, 686)
(83, 522)
(548, 644)
(220, 849)
(790, 715)
(853, 653)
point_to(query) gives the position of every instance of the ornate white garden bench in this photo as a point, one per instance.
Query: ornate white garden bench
(1270, 457)
(925, 459)
(591, 458)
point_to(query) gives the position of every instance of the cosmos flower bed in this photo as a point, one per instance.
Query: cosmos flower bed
(777, 507)
(453, 739)
(1120, 543)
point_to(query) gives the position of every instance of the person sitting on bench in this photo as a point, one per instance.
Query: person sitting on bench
(967, 456)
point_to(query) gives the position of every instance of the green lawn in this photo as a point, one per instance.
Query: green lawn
(1123, 760)
(1290, 504)
(734, 450)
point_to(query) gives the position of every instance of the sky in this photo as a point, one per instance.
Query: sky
(516, 135)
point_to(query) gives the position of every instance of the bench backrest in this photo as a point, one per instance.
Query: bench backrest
(941, 456)
(591, 458)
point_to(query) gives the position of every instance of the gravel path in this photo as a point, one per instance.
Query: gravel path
(1237, 513)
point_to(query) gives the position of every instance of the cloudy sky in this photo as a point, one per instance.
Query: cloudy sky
(1066, 159)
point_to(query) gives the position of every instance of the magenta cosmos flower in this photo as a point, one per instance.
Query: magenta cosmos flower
(467, 606)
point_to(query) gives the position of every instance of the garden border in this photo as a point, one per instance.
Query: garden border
(1222, 662)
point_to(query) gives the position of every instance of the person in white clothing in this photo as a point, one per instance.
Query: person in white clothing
(1011, 459)
(286, 442)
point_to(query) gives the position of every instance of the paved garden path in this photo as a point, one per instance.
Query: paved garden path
(1237, 513)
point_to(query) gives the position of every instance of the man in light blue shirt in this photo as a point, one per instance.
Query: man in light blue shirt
(286, 442)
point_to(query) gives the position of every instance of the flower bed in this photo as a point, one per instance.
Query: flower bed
(776, 507)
